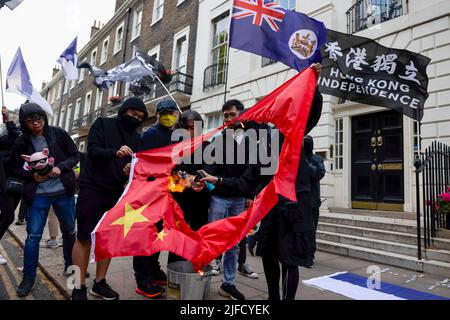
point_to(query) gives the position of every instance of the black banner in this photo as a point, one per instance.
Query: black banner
(361, 70)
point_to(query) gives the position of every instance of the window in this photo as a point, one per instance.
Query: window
(105, 49)
(76, 114)
(288, 4)
(87, 103)
(214, 121)
(220, 49)
(118, 39)
(82, 72)
(267, 61)
(60, 88)
(69, 113)
(137, 22)
(98, 99)
(180, 51)
(158, 9)
(66, 86)
(339, 145)
(155, 54)
(94, 57)
(82, 146)
(52, 94)
(61, 117)
(180, 2)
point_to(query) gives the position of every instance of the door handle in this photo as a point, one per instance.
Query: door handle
(373, 142)
(373, 167)
(380, 141)
(380, 167)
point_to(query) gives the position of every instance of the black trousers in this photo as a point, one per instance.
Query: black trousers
(146, 267)
(8, 205)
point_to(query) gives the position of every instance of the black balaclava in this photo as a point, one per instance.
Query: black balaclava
(130, 123)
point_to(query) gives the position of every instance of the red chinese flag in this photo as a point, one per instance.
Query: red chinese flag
(129, 228)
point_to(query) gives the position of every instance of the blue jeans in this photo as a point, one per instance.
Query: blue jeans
(220, 208)
(37, 218)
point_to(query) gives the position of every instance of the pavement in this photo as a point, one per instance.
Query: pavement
(120, 275)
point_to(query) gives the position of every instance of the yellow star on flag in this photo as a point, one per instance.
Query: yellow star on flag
(177, 223)
(161, 235)
(131, 217)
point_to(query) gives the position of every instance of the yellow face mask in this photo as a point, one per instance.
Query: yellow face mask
(168, 120)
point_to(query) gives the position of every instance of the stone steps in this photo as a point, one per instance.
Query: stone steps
(384, 257)
(385, 240)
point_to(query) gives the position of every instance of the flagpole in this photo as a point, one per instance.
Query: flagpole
(61, 99)
(1, 82)
(167, 90)
(228, 61)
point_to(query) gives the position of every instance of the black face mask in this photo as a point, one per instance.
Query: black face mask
(130, 123)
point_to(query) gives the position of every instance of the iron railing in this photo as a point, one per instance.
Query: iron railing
(215, 75)
(367, 13)
(434, 167)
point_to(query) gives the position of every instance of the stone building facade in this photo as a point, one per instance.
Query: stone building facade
(418, 26)
(166, 29)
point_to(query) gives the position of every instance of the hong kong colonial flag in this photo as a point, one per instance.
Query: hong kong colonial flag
(129, 229)
(265, 28)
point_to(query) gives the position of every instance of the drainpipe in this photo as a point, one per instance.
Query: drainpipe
(127, 29)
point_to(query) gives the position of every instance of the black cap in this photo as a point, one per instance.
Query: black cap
(166, 105)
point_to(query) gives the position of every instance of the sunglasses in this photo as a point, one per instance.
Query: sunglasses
(35, 162)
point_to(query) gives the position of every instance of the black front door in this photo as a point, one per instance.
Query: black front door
(377, 161)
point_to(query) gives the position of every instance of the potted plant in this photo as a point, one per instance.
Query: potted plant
(443, 206)
(115, 99)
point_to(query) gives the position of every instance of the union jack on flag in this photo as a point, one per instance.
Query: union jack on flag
(260, 11)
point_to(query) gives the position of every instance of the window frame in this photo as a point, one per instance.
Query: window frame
(338, 156)
(103, 56)
(138, 12)
(155, 19)
(86, 106)
(176, 38)
(117, 49)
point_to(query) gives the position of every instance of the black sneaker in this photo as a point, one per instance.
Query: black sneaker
(26, 286)
(245, 270)
(103, 290)
(149, 289)
(159, 277)
(79, 294)
(230, 291)
(20, 222)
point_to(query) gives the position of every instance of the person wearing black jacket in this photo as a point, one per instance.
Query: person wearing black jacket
(55, 188)
(317, 169)
(286, 232)
(8, 200)
(147, 269)
(111, 143)
(236, 182)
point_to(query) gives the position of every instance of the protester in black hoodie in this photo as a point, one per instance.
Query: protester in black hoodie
(111, 143)
(8, 200)
(56, 188)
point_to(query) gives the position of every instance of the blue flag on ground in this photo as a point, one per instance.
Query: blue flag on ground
(265, 28)
(69, 60)
(18, 81)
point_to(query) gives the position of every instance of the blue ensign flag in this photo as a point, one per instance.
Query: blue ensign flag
(18, 81)
(265, 28)
(69, 60)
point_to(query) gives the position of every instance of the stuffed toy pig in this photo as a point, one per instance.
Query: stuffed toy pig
(39, 162)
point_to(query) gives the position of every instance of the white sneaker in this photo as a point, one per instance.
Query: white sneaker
(53, 244)
(246, 271)
(2, 260)
(216, 267)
